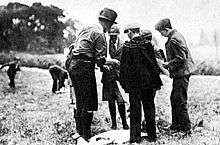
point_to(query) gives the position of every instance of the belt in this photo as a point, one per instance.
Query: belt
(83, 57)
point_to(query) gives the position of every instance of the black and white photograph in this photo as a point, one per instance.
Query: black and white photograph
(109, 72)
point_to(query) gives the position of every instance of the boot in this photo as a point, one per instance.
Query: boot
(121, 109)
(86, 124)
(112, 110)
(77, 116)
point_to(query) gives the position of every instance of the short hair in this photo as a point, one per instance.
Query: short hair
(163, 24)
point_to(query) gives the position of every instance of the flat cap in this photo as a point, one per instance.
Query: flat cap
(146, 34)
(114, 30)
(131, 26)
(162, 24)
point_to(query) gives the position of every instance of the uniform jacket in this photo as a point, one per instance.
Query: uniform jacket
(179, 59)
(138, 67)
(90, 44)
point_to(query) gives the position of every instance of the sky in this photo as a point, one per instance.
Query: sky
(187, 16)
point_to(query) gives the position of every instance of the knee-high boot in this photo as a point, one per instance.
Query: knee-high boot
(122, 112)
(86, 124)
(112, 110)
(78, 116)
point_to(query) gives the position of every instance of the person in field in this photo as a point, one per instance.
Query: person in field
(180, 65)
(59, 75)
(110, 91)
(13, 67)
(89, 50)
(139, 77)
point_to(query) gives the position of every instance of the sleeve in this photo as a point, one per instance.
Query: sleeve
(179, 54)
(100, 48)
(124, 64)
(4, 65)
(18, 68)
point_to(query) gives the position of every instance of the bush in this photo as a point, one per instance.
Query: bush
(208, 68)
(44, 61)
(31, 60)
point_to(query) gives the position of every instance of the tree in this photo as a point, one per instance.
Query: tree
(22, 25)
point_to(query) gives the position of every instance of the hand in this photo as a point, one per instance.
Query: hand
(106, 68)
(165, 65)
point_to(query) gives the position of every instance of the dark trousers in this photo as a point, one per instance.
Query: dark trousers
(84, 82)
(117, 97)
(146, 97)
(11, 76)
(60, 85)
(82, 75)
(180, 116)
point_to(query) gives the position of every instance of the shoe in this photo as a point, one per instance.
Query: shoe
(186, 133)
(136, 140)
(174, 127)
(151, 138)
(114, 127)
(125, 126)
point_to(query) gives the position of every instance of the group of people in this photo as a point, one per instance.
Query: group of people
(134, 64)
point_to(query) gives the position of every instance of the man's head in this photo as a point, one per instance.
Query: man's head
(16, 58)
(131, 30)
(113, 33)
(164, 27)
(107, 18)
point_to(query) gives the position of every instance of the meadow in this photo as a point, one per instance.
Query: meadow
(32, 115)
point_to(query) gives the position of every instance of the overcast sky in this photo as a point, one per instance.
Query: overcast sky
(188, 16)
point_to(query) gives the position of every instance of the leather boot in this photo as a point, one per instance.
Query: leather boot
(112, 110)
(77, 116)
(121, 109)
(86, 124)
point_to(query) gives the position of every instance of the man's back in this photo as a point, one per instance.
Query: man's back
(138, 66)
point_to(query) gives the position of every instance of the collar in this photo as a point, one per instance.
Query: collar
(171, 33)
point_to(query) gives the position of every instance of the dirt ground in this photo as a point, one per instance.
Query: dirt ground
(31, 114)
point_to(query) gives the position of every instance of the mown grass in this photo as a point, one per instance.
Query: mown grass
(31, 114)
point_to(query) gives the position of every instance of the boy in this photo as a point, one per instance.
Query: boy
(14, 66)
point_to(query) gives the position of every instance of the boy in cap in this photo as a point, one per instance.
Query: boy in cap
(139, 76)
(111, 92)
(89, 49)
(14, 66)
(180, 65)
(58, 75)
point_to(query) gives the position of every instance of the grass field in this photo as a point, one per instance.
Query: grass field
(32, 115)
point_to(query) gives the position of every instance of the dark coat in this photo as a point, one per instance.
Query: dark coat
(109, 78)
(138, 67)
(178, 55)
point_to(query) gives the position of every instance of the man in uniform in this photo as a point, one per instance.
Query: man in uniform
(111, 92)
(180, 65)
(14, 66)
(89, 49)
(139, 76)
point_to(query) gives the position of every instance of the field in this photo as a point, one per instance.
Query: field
(32, 115)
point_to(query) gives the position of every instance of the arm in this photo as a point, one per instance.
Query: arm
(100, 49)
(124, 64)
(4, 65)
(179, 55)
